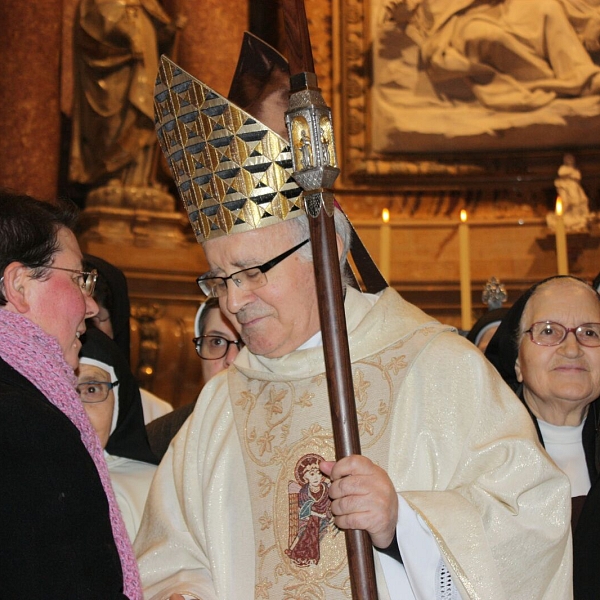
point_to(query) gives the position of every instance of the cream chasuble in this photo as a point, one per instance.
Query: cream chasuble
(239, 510)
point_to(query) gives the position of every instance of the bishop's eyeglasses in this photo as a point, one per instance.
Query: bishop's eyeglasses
(92, 392)
(246, 279)
(213, 347)
(549, 333)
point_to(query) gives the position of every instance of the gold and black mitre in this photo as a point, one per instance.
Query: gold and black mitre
(233, 172)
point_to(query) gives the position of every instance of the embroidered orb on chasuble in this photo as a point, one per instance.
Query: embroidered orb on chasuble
(233, 172)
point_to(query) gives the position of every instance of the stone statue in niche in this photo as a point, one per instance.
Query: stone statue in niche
(116, 46)
(476, 67)
(576, 212)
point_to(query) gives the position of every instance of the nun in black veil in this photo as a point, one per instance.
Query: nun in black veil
(112, 296)
(557, 377)
(112, 400)
(484, 328)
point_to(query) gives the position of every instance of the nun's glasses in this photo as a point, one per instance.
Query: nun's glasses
(92, 392)
(549, 333)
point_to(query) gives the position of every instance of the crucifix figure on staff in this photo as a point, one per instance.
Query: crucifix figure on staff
(252, 501)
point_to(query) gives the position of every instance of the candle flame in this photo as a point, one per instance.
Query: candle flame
(385, 215)
(559, 206)
(463, 216)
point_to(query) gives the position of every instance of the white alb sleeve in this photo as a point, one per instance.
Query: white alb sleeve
(423, 576)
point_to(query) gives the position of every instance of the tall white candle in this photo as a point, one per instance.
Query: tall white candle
(562, 257)
(465, 272)
(385, 242)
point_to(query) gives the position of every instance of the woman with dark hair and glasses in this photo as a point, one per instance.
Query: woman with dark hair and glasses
(112, 401)
(547, 349)
(217, 344)
(62, 531)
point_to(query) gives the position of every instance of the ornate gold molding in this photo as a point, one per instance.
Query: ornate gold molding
(136, 227)
(147, 316)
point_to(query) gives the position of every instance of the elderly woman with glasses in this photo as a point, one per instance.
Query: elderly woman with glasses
(62, 531)
(112, 401)
(548, 350)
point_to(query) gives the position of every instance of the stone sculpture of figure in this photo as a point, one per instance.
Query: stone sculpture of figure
(576, 213)
(513, 55)
(116, 47)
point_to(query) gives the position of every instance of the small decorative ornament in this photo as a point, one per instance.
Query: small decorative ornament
(494, 294)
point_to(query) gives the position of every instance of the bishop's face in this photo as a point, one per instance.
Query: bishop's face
(277, 318)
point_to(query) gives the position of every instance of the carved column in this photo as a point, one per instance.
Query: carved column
(30, 93)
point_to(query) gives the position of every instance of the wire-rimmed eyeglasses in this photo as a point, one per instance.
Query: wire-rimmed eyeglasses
(92, 392)
(87, 279)
(549, 333)
(246, 279)
(213, 347)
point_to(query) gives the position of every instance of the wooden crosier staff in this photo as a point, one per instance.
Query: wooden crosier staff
(315, 169)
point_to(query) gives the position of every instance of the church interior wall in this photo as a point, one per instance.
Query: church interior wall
(507, 192)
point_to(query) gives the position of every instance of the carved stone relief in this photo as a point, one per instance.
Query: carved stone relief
(492, 179)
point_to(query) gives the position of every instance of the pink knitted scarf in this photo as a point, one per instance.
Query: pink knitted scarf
(39, 358)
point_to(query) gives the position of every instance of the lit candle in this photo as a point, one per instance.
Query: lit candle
(385, 244)
(562, 260)
(465, 272)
